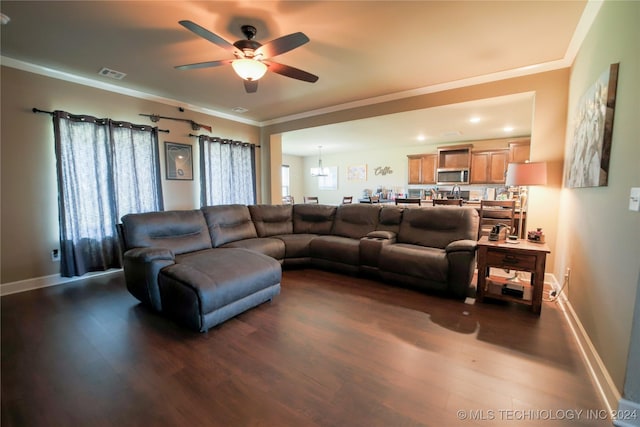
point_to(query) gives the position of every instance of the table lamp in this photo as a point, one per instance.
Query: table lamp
(523, 175)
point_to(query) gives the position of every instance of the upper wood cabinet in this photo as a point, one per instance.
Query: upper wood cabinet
(489, 167)
(486, 166)
(519, 150)
(422, 168)
(454, 157)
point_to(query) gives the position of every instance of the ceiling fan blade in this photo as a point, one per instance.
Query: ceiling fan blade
(282, 44)
(292, 72)
(207, 64)
(251, 86)
(204, 33)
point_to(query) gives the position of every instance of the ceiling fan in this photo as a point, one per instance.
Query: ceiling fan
(252, 58)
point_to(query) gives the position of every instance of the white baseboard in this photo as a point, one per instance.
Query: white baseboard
(597, 370)
(46, 281)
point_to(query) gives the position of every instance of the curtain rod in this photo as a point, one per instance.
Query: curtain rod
(193, 135)
(35, 110)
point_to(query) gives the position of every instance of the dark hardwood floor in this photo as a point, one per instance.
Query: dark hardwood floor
(330, 350)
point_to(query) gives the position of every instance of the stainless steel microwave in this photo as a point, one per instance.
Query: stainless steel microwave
(452, 176)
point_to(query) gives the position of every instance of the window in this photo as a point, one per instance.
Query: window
(106, 169)
(227, 172)
(286, 183)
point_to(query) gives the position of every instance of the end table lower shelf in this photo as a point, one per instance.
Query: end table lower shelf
(522, 256)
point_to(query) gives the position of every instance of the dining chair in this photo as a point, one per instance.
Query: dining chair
(287, 200)
(409, 201)
(311, 199)
(346, 200)
(493, 212)
(447, 202)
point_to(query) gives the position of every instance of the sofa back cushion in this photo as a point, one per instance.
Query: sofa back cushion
(313, 219)
(178, 231)
(272, 220)
(229, 223)
(355, 220)
(437, 226)
(390, 218)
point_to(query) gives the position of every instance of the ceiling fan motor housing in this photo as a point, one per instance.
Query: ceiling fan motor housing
(247, 47)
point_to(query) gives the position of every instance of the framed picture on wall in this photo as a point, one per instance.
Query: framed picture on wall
(587, 162)
(179, 161)
(357, 173)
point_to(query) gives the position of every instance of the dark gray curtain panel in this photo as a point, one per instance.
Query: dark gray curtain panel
(227, 172)
(106, 169)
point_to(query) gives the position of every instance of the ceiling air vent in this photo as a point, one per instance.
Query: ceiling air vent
(112, 74)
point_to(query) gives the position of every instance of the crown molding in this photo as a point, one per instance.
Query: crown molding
(98, 84)
(586, 20)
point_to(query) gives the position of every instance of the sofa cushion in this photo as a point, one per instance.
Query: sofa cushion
(223, 276)
(296, 245)
(207, 287)
(229, 223)
(178, 231)
(437, 226)
(415, 261)
(390, 218)
(313, 219)
(355, 220)
(343, 250)
(265, 245)
(270, 220)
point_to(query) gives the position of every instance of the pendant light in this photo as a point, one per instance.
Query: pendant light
(319, 171)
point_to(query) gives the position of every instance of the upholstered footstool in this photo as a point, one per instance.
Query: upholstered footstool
(205, 288)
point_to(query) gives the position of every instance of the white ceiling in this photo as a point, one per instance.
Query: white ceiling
(418, 128)
(362, 51)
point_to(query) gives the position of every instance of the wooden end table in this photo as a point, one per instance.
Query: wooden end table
(523, 256)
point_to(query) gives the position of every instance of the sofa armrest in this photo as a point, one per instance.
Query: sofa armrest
(141, 269)
(371, 246)
(381, 234)
(149, 254)
(461, 255)
(462, 245)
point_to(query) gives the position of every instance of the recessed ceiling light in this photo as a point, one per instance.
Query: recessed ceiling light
(508, 128)
(474, 119)
(239, 110)
(421, 137)
(4, 19)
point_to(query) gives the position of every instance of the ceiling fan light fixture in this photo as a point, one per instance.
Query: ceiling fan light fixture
(249, 69)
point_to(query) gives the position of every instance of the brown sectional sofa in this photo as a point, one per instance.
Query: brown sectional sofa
(202, 267)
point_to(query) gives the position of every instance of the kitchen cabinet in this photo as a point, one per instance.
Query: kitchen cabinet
(422, 168)
(489, 167)
(454, 157)
(519, 150)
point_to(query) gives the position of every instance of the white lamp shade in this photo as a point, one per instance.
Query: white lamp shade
(249, 69)
(523, 174)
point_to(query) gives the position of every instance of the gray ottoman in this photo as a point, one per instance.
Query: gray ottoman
(207, 287)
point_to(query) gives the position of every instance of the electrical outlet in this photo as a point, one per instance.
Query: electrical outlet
(55, 255)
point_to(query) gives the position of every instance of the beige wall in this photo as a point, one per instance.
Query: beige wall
(600, 236)
(29, 190)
